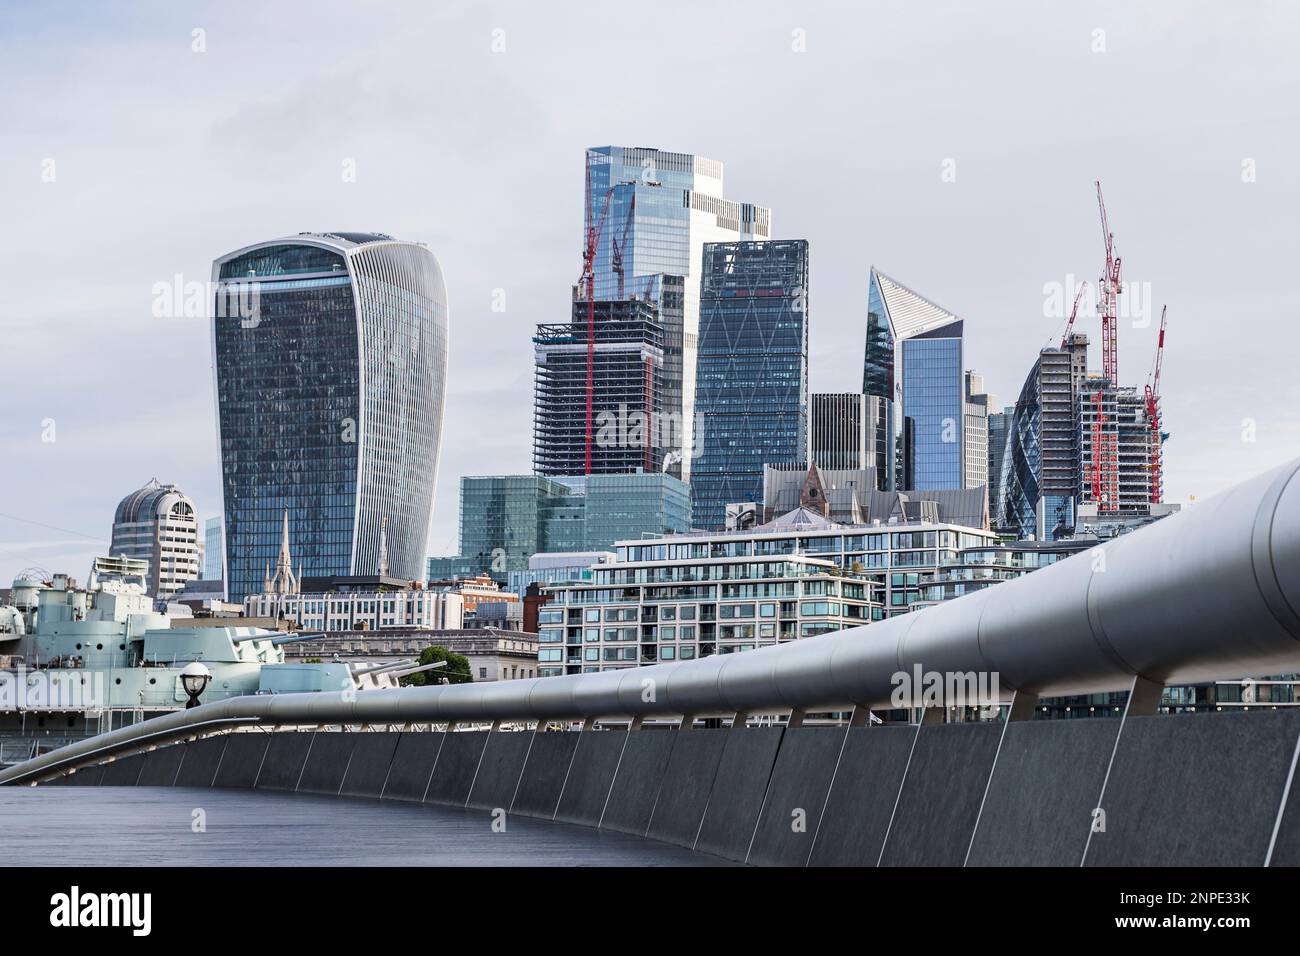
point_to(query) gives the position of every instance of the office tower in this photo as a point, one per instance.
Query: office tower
(627, 371)
(975, 432)
(1037, 488)
(331, 368)
(618, 507)
(213, 552)
(157, 524)
(849, 430)
(934, 401)
(658, 209)
(752, 373)
(894, 314)
(913, 358)
(506, 519)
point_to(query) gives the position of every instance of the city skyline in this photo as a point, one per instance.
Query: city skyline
(109, 435)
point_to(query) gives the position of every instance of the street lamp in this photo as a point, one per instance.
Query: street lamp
(194, 678)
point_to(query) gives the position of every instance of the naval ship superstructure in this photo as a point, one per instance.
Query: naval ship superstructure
(81, 661)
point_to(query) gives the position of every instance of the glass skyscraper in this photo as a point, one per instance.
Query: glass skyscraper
(506, 519)
(933, 392)
(662, 208)
(213, 553)
(1038, 483)
(331, 366)
(752, 374)
(913, 358)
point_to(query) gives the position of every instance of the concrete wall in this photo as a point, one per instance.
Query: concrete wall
(1204, 789)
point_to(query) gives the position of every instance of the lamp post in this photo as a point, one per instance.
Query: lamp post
(195, 678)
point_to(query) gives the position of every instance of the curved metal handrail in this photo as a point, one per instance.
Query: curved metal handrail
(1210, 592)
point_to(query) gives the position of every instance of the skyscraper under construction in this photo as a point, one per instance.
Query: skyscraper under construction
(626, 393)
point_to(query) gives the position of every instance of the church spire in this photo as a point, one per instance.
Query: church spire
(813, 494)
(383, 547)
(283, 581)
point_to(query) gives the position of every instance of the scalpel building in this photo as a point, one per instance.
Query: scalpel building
(330, 353)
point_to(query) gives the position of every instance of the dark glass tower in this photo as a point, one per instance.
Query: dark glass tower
(331, 364)
(751, 387)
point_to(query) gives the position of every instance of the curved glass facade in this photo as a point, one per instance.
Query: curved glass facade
(1013, 509)
(329, 403)
(1036, 486)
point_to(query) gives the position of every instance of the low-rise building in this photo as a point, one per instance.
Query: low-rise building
(364, 604)
(850, 496)
(475, 591)
(501, 615)
(350, 602)
(493, 655)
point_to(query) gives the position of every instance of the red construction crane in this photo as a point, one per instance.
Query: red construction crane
(587, 290)
(617, 246)
(1109, 304)
(1105, 456)
(1105, 480)
(1069, 326)
(1153, 411)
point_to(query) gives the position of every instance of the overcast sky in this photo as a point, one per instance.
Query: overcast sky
(952, 145)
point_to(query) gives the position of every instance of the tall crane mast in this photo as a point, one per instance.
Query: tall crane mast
(1069, 326)
(1110, 290)
(587, 290)
(1105, 451)
(617, 246)
(1153, 411)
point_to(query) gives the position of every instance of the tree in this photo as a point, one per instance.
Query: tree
(456, 670)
